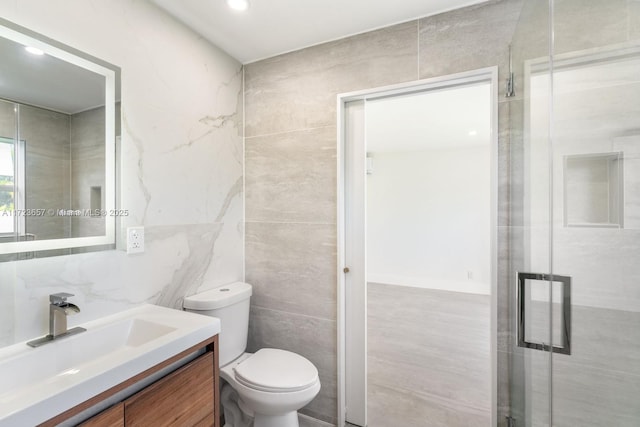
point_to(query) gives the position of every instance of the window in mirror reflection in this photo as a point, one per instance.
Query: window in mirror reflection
(11, 175)
(60, 161)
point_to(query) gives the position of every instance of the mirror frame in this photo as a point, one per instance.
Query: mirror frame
(111, 73)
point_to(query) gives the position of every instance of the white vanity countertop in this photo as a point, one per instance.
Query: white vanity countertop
(37, 384)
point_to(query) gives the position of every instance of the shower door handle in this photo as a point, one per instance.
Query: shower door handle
(565, 335)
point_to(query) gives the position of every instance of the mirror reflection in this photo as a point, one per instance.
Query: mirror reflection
(55, 181)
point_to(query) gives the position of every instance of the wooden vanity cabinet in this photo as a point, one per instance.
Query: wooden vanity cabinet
(186, 397)
(182, 398)
(112, 417)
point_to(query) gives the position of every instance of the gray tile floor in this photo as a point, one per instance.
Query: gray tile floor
(429, 358)
(305, 421)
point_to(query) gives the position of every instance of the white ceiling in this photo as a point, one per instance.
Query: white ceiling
(48, 82)
(432, 120)
(272, 27)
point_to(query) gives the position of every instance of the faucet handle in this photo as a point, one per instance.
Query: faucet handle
(59, 298)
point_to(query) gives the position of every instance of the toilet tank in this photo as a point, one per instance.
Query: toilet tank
(230, 304)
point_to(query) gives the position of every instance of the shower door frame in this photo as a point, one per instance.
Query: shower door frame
(346, 262)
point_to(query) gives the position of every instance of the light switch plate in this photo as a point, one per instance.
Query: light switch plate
(135, 240)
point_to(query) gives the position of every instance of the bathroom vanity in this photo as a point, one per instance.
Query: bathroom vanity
(145, 366)
(185, 397)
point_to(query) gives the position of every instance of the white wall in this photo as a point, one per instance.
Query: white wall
(181, 168)
(428, 219)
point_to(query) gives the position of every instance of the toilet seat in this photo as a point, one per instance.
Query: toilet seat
(276, 371)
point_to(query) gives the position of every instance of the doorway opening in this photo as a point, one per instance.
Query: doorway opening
(417, 187)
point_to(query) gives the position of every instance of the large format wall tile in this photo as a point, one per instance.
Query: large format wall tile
(617, 334)
(291, 177)
(582, 395)
(504, 389)
(513, 390)
(298, 90)
(516, 171)
(575, 21)
(502, 164)
(579, 402)
(603, 264)
(597, 385)
(291, 143)
(504, 293)
(468, 39)
(46, 137)
(531, 38)
(292, 267)
(308, 336)
(87, 170)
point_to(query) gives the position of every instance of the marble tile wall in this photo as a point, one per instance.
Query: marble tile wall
(182, 163)
(194, 221)
(290, 159)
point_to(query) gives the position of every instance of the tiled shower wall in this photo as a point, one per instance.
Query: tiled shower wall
(597, 384)
(46, 137)
(87, 155)
(290, 160)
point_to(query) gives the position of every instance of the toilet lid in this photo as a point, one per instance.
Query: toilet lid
(270, 369)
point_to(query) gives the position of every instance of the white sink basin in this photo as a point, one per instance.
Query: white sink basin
(39, 383)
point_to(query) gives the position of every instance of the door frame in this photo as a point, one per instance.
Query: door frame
(490, 75)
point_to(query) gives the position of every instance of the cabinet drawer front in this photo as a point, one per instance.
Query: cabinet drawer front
(183, 398)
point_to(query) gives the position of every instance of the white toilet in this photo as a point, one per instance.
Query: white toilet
(269, 385)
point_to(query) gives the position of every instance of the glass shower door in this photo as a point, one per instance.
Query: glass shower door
(596, 216)
(526, 357)
(574, 232)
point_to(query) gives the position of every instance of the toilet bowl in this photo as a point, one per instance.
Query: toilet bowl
(271, 384)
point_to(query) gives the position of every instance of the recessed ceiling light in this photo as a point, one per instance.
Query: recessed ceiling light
(238, 4)
(473, 133)
(34, 50)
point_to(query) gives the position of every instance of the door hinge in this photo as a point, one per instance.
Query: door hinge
(511, 84)
(510, 90)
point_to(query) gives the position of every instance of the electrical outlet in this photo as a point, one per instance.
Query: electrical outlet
(135, 240)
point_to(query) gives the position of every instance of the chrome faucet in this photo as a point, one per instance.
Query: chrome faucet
(59, 309)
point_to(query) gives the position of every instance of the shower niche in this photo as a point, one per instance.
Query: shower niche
(593, 190)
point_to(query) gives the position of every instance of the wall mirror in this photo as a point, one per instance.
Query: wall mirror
(59, 118)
